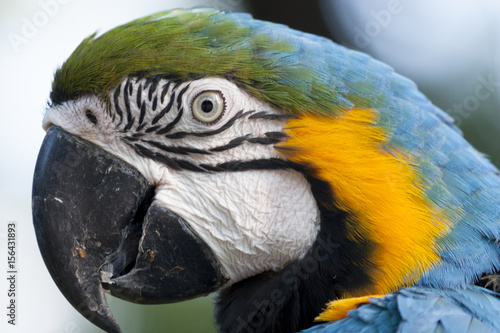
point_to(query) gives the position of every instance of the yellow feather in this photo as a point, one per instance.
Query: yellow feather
(338, 309)
(381, 190)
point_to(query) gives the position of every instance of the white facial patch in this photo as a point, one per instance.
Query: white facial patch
(254, 221)
(218, 170)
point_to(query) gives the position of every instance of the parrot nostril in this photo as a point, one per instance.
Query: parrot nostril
(91, 117)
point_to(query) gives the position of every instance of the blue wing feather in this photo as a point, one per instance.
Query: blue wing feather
(417, 309)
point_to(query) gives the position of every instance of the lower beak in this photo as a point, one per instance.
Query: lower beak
(98, 231)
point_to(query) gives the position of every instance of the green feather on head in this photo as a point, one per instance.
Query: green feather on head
(270, 61)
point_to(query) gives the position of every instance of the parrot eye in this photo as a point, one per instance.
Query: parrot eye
(208, 106)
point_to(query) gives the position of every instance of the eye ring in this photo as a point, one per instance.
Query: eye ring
(208, 106)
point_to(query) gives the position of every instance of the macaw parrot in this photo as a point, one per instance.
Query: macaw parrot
(198, 151)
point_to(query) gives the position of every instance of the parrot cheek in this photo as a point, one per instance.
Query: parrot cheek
(254, 221)
(98, 232)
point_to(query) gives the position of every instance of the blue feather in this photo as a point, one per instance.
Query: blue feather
(416, 309)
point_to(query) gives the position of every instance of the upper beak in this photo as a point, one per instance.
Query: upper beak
(98, 231)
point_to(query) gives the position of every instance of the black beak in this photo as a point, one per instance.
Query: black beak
(98, 231)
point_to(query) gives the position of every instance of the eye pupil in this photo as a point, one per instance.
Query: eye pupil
(207, 106)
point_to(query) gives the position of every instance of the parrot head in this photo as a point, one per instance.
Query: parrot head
(205, 200)
(195, 151)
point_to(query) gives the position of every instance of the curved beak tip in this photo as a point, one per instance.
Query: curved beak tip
(105, 320)
(78, 221)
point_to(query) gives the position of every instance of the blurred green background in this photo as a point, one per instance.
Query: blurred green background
(449, 48)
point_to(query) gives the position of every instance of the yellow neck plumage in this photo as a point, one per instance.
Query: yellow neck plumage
(379, 188)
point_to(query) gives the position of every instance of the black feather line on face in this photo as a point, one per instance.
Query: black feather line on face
(126, 94)
(154, 84)
(258, 164)
(143, 114)
(117, 103)
(165, 110)
(152, 128)
(130, 88)
(164, 91)
(139, 96)
(170, 162)
(137, 135)
(181, 93)
(177, 150)
(155, 103)
(227, 125)
(171, 125)
(149, 80)
(264, 141)
(129, 125)
(232, 144)
(277, 135)
(140, 127)
(272, 116)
